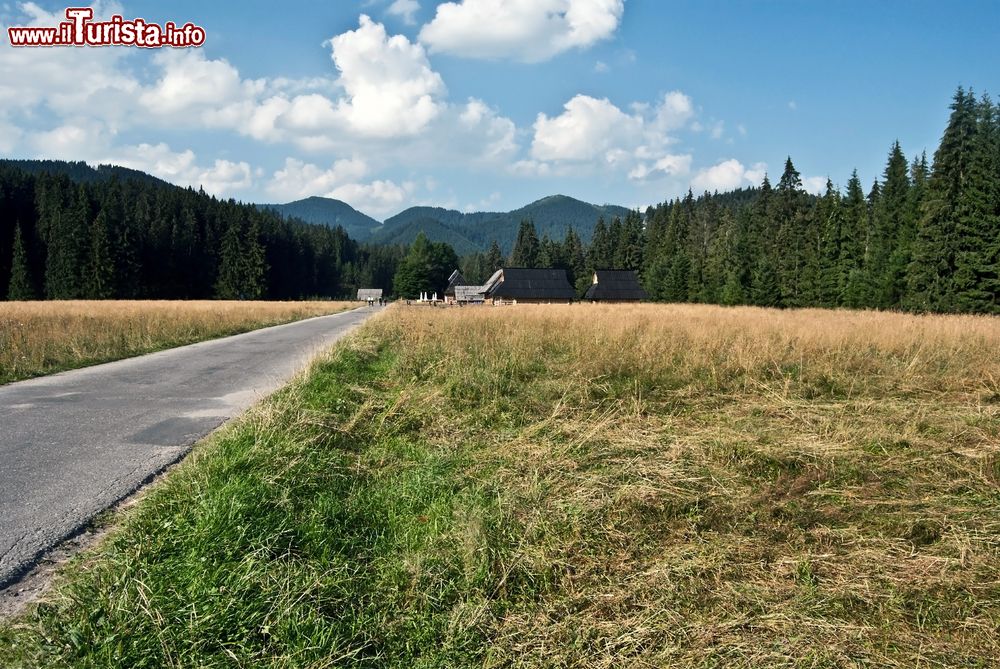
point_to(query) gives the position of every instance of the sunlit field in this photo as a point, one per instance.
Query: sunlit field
(575, 486)
(42, 337)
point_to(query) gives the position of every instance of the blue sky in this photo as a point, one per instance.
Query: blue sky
(490, 104)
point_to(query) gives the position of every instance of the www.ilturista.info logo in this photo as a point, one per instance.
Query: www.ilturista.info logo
(80, 30)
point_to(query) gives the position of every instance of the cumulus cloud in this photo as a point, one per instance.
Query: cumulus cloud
(669, 165)
(815, 185)
(674, 111)
(391, 88)
(190, 83)
(727, 175)
(597, 132)
(755, 175)
(298, 179)
(525, 30)
(378, 198)
(222, 177)
(343, 180)
(496, 135)
(588, 128)
(405, 9)
(64, 80)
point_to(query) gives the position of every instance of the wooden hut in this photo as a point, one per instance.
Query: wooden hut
(519, 285)
(469, 295)
(615, 286)
(456, 280)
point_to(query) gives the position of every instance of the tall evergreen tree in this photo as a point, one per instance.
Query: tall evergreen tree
(100, 269)
(21, 285)
(494, 257)
(829, 215)
(853, 239)
(977, 218)
(930, 276)
(527, 249)
(67, 248)
(601, 253)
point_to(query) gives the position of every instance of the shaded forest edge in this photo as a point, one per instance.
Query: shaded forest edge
(63, 236)
(923, 237)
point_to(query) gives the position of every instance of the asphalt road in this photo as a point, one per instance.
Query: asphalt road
(74, 444)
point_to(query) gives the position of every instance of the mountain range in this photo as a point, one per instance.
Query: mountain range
(465, 232)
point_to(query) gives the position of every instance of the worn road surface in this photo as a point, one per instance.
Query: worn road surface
(74, 444)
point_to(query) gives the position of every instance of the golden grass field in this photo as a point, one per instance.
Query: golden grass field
(42, 337)
(574, 486)
(715, 486)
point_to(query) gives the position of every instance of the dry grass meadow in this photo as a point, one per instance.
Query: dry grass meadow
(576, 486)
(42, 337)
(714, 486)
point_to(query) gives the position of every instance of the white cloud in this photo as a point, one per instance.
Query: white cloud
(66, 80)
(388, 91)
(669, 165)
(191, 84)
(405, 9)
(298, 179)
(495, 134)
(755, 175)
(727, 175)
(341, 181)
(223, 177)
(675, 110)
(391, 88)
(596, 132)
(587, 129)
(793, 105)
(601, 67)
(526, 30)
(814, 185)
(377, 198)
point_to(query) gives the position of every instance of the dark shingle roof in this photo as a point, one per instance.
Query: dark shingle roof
(532, 284)
(616, 284)
(456, 279)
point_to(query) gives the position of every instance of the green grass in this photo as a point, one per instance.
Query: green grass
(288, 542)
(490, 488)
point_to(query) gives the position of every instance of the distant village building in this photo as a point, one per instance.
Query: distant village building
(518, 285)
(369, 295)
(469, 295)
(456, 280)
(615, 285)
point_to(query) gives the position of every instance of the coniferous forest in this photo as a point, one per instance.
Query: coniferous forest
(925, 236)
(67, 234)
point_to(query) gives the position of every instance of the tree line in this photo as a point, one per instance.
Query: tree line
(113, 237)
(923, 237)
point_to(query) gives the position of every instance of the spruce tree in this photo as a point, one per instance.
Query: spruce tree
(890, 236)
(229, 285)
(67, 249)
(977, 219)
(829, 220)
(21, 286)
(788, 215)
(854, 234)
(600, 254)
(930, 276)
(527, 248)
(99, 275)
(494, 257)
